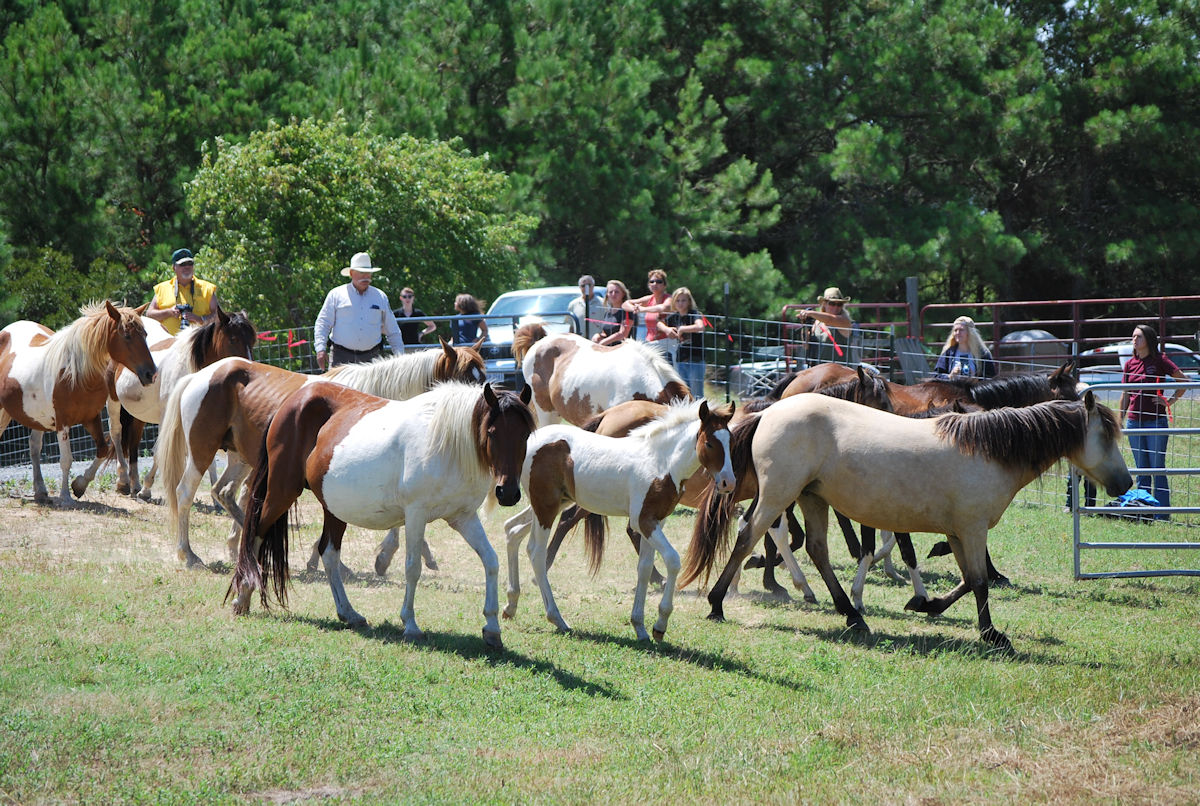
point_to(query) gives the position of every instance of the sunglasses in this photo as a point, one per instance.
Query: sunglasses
(406, 296)
(657, 282)
(837, 305)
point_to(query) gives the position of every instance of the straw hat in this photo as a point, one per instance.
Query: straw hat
(360, 262)
(832, 294)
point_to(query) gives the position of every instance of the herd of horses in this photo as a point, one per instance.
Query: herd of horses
(595, 433)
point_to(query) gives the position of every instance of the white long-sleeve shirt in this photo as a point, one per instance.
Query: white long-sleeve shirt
(356, 321)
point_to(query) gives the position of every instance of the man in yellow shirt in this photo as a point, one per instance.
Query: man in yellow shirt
(183, 300)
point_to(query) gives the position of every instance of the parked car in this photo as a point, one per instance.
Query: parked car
(545, 305)
(1104, 364)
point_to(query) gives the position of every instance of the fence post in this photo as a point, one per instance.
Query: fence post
(914, 310)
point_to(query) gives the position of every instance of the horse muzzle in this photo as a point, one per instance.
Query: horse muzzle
(1119, 487)
(725, 483)
(509, 493)
(147, 376)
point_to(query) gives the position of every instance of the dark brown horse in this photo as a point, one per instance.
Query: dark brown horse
(50, 381)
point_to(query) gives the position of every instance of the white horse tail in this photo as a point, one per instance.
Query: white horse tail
(171, 451)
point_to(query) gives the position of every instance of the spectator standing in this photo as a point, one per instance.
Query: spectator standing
(183, 300)
(617, 320)
(1149, 408)
(469, 330)
(354, 319)
(652, 306)
(584, 307)
(964, 354)
(831, 327)
(412, 329)
(685, 324)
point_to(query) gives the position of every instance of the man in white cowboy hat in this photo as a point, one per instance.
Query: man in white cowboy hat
(354, 319)
(831, 325)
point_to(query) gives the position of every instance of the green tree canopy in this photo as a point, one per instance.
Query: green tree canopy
(282, 213)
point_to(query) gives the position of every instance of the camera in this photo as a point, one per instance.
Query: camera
(183, 308)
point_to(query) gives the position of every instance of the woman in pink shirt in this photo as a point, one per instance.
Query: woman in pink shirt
(651, 306)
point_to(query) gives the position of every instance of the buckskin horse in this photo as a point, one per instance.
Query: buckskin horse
(50, 381)
(954, 475)
(382, 464)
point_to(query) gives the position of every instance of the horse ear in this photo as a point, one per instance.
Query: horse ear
(479, 343)
(447, 349)
(112, 310)
(490, 396)
(1089, 401)
(703, 409)
(141, 308)
(526, 394)
(222, 317)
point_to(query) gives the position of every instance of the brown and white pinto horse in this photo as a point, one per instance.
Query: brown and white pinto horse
(382, 464)
(639, 476)
(955, 474)
(49, 381)
(575, 379)
(227, 406)
(134, 405)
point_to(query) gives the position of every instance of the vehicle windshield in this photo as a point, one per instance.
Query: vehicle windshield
(1184, 359)
(541, 303)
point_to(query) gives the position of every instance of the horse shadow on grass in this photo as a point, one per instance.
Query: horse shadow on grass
(471, 647)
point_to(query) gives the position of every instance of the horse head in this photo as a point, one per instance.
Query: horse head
(712, 445)
(1064, 383)
(460, 364)
(125, 339)
(1100, 456)
(504, 425)
(872, 390)
(227, 336)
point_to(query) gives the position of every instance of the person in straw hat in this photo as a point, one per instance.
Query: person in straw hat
(831, 325)
(354, 319)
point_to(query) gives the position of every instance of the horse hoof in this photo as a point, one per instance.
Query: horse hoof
(659, 635)
(918, 603)
(413, 637)
(144, 494)
(716, 615)
(811, 598)
(432, 565)
(353, 620)
(77, 488)
(123, 488)
(381, 566)
(779, 594)
(492, 639)
(1001, 582)
(997, 639)
(754, 561)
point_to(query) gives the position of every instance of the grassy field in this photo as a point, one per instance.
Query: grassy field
(125, 679)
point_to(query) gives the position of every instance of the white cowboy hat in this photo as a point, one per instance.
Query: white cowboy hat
(360, 262)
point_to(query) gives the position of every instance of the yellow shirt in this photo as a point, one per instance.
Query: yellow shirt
(199, 295)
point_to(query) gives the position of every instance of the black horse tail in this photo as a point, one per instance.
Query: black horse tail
(271, 562)
(711, 534)
(595, 531)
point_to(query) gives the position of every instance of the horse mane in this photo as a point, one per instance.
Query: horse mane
(80, 350)
(525, 337)
(199, 339)
(657, 361)
(1033, 437)
(852, 390)
(1014, 389)
(396, 377)
(677, 413)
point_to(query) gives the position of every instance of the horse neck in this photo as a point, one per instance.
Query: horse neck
(74, 353)
(674, 449)
(397, 378)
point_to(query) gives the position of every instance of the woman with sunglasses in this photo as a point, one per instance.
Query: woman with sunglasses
(410, 318)
(651, 306)
(831, 326)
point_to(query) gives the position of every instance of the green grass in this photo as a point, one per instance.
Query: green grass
(125, 680)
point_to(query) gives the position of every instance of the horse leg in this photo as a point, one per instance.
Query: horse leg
(847, 527)
(567, 521)
(515, 530)
(472, 531)
(778, 541)
(386, 550)
(748, 534)
(40, 493)
(636, 539)
(225, 491)
(64, 463)
(116, 435)
(995, 578)
(816, 524)
(909, 555)
(656, 541)
(884, 554)
(185, 493)
(331, 541)
(865, 560)
(970, 550)
(427, 556)
(128, 448)
(536, 549)
(147, 482)
(414, 533)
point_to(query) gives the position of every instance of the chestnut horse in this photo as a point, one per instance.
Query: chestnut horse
(955, 474)
(49, 381)
(134, 405)
(575, 379)
(227, 405)
(639, 476)
(382, 464)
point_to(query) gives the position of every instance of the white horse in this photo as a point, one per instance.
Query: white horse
(382, 464)
(639, 476)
